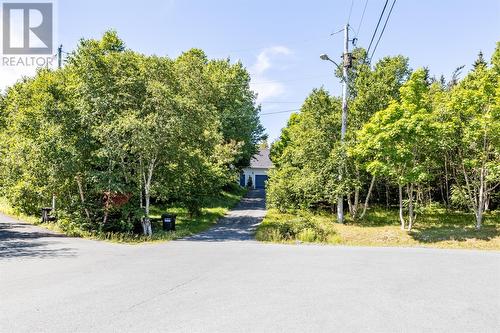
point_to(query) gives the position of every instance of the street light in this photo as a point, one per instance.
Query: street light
(326, 57)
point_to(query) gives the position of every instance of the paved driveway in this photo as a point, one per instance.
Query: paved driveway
(240, 223)
(50, 283)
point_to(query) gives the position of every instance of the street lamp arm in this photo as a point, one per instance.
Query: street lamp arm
(326, 57)
(333, 62)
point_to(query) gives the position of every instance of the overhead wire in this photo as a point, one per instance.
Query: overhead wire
(293, 42)
(383, 29)
(290, 80)
(361, 20)
(350, 12)
(283, 102)
(276, 112)
(294, 110)
(336, 32)
(376, 28)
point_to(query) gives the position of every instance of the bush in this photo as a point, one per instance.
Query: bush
(288, 228)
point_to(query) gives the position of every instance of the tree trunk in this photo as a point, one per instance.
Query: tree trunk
(141, 193)
(401, 217)
(429, 193)
(480, 201)
(356, 204)
(474, 200)
(78, 180)
(442, 195)
(146, 222)
(146, 226)
(479, 220)
(349, 204)
(146, 210)
(409, 190)
(367, 199)
(386, 195)
(446, 182)
(107, 204)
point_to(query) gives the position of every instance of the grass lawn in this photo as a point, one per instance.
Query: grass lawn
(380, 227)
(185, 225)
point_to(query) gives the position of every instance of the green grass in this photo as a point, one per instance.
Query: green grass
(435, 228)
(7, 209)
(301, 226)
(215, 208)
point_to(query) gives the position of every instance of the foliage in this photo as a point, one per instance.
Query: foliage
(291, 228)
(401, 141)
(411, 140)
(473, 116)
(307, 157)
(114, 123)
(186, 225)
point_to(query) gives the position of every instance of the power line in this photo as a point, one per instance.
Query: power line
(256, 48)
(336, 32)
(376, 28)
(350, 12)
(383, 29)
(276, 112)
(290, 80)
(273, 81)
(361, 20)
(282, 102)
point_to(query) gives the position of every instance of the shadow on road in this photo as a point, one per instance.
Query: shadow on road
(19, 240)
(240, 223)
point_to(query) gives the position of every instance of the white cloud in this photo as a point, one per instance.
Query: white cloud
(263, 59)
(268, 88)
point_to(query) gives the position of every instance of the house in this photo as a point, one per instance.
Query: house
(260, 164)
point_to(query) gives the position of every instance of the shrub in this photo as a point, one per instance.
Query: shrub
(305, 228)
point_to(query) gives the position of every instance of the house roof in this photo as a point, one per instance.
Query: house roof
(261, 160)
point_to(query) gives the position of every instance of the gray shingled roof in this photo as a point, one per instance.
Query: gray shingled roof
(261, 160)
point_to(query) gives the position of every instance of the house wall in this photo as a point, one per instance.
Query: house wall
(252, 172)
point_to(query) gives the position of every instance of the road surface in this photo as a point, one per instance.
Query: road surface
(213, 283)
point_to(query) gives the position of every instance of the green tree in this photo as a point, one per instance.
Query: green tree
(372, 90)
(306, 158)
(115, 124)
(235, 105)
(474, 118)
(401, 141)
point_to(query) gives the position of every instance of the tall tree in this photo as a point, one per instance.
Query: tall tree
(235, 104)
(400, 141)
(474, 116)
(307, 158)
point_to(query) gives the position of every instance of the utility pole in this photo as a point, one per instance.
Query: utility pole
(59, 56)
(346, 63)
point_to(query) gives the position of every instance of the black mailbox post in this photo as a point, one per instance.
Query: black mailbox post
(168, 222)
(46, 217)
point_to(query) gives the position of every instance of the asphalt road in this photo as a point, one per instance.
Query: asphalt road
(50, 283)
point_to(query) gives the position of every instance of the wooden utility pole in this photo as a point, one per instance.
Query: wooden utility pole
(346, 63)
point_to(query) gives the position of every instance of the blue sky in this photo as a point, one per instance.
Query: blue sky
(280, 41)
